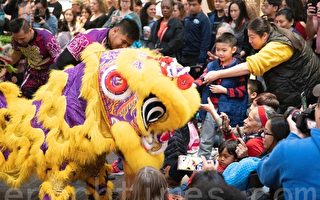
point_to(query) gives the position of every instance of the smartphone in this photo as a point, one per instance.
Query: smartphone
(314, 4)
(189, 163)
(303, 100)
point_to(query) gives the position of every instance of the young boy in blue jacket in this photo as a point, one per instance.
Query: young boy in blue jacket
(228, 95)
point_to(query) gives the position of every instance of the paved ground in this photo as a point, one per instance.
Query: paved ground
(29, 191)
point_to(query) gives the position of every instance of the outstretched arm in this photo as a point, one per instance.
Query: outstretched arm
(238, 70)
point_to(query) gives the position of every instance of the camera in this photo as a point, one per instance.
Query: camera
(37, 17)
(305, 119)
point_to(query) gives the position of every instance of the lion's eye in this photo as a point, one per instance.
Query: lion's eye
(114, 85)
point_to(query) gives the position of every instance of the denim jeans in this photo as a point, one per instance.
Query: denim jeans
(207, 135)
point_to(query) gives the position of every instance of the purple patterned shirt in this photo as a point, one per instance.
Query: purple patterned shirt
(82, 40)
(41, 51)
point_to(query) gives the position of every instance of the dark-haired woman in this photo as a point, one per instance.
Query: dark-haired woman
(43, 18)
(147, 14)
(299, 15)
(276, 129)
(284, 19)
(239, 19)
(289, 67)
(167, 32)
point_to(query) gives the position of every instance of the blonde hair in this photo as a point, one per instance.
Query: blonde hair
(149, 184)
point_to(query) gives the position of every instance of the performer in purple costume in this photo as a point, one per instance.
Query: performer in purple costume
(120, 36)
(39, 47)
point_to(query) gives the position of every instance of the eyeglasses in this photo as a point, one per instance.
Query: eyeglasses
(264, 133)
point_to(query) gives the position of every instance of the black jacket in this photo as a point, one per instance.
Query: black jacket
(172, 40)
(299, 74)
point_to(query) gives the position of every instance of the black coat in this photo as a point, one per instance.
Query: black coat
(172, 40)
(299, 74)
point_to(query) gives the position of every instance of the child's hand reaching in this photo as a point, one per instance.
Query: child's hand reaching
(225, 122)
(218, 89)
(209, 107)
(209, 165)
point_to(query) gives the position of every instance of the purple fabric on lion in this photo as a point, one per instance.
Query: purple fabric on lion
(76, 105)
(36, 124)
(46, 197)
(75, 108)
(3, 101)
(6, 154)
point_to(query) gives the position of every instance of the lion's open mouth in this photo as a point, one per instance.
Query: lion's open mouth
(152, 110)
(155, 143)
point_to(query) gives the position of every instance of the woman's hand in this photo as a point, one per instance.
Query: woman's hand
(42, 21)
(242, 54)
(211, 76)
(242, 149)
(311, 10)
(115, 19)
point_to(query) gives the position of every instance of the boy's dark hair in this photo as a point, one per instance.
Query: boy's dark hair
(230, 145)
(210, 185)
(199, 1)
(227, 38)
(130, 28)
(138, 2)
(268, 99)
(19, 24)
(256, 86)
(275, 3)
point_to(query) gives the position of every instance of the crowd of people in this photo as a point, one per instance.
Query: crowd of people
(258, 77)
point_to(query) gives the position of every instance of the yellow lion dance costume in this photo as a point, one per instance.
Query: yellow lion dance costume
(120, 100)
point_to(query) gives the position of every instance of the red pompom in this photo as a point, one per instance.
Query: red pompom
(168, 60)
(185, 81)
